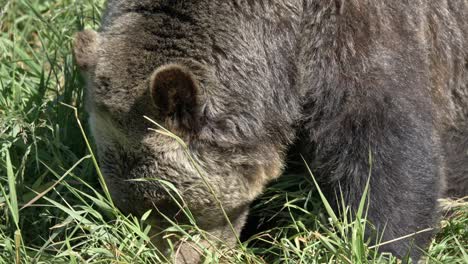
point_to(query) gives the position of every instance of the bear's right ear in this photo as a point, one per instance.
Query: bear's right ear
(174, 92)
(85, 49)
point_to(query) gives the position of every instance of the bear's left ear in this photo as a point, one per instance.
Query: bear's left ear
(174, 91)
(85, 49)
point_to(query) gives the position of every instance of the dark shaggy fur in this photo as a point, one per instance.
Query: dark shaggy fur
(239, 80)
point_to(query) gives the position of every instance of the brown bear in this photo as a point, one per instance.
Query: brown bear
(240, 80)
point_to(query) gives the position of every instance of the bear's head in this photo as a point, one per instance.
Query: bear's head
(224, 161)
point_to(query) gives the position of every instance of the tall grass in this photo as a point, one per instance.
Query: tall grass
(54, 209)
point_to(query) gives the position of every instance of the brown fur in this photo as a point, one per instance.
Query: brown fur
(341, 78)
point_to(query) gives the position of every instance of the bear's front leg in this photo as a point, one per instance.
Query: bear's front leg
(389, 136)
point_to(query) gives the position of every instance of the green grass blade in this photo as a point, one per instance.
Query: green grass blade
(13, 199)
(325, 202)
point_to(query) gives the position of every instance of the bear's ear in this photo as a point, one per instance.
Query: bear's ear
(85, 49)
(174, 91)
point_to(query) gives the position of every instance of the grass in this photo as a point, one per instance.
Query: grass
(53, 208)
